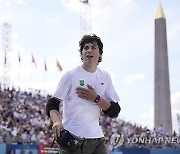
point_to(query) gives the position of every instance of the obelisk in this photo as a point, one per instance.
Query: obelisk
(162, 102)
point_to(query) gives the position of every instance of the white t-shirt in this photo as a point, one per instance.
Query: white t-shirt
(80, 116)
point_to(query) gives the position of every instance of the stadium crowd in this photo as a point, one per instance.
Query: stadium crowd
(23, 121)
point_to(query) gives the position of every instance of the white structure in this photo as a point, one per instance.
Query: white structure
(162, 102)
(85, 17)
(6, 48)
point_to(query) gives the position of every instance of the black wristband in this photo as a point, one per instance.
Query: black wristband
(97, 99)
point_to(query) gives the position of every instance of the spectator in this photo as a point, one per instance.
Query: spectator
(22, 111)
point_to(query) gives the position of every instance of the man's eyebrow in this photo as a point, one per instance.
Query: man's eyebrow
(86, 45)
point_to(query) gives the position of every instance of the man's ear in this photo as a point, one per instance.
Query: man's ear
(81, 57)
(100, 58)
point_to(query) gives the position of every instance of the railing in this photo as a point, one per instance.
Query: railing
(40, 149)
(144, 151)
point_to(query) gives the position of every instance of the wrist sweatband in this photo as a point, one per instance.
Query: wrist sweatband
(97, 99)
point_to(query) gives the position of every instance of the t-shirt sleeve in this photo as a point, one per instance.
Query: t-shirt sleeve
(63, 87)
(110, 93)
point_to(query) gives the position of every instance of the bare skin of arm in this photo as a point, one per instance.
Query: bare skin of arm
(57, 122)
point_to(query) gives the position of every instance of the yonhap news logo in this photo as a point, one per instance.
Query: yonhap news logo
(118, 140)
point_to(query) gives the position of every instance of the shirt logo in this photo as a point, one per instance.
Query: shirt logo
(81, 82)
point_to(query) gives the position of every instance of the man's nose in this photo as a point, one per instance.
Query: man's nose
(89, 50)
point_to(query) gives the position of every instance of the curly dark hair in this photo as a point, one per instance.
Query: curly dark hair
(91, 39)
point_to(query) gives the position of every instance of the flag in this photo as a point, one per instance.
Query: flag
(178, 117)
(45, 67)
(59, 66)
(33, 61)
(5, 59)
(85, 1)
(19, 58)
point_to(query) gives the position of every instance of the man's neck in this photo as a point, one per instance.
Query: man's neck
(89, 68)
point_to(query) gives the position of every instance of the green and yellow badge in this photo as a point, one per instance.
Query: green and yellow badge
(81, 82)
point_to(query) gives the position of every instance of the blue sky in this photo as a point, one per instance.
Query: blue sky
(50, 29)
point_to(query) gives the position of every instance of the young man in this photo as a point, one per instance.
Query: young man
(85, 91)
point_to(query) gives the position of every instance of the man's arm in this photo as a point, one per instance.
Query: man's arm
(57, 122)
(109, 108)
(52, 104)
(52, 110)
(113, 111)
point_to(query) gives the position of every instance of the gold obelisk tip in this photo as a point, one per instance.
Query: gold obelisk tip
(160, 13)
